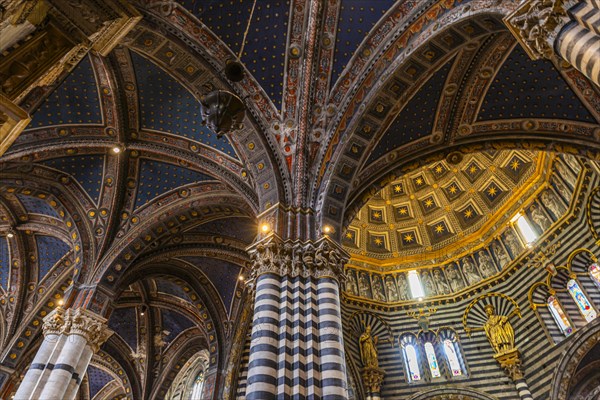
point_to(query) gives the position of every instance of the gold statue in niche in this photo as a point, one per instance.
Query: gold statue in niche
(368, 349)
(499, 331)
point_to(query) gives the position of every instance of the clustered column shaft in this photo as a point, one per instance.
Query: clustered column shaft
(297, 343)
(71, 337)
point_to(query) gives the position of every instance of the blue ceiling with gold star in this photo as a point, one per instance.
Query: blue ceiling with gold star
(264, 50)
(50, 251)
(88, 171)
(157, 178)
(531, 89)
(222, 274)
(97, 379)
(166, 106)
(416, 118)
(356, 19)
(4, 263)
(75, 101)
(123, 322)
(34, 205)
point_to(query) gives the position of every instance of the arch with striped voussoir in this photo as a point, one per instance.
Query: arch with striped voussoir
(593, 213)
(342, 187)
(202, 293)
(188, 46)
(452, 394)
(554, 305)
(147, 231)
(177, 355)
(60, 203)
(114, 359)
(182, 386)
(574, 352)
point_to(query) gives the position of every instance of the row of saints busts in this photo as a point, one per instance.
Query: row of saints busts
(454, 276)
(436, 281)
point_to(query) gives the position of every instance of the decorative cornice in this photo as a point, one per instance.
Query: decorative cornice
(317, 259)
(78, 322)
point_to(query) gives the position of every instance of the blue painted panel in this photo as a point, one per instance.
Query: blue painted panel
(97, 379)
(4, 263)
(416, 118)
(175, 323)
(166, 106)
(157, 178)
(34, 205)
(50, 251)
(531, 89)
(171, 288)
(222, 274)
(88, 171)
(124, 322)
(357, 18)
(75, 101)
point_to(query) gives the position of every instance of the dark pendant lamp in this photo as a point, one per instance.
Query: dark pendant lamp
(222, 111)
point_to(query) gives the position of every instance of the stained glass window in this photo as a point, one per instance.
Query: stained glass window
(594, 271)
(584, 305)
(452, 357)
(197, 388)
(432, 360)
(413, 362)
(559, 316)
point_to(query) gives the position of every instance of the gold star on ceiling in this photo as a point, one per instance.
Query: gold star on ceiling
(419, 181)
(472, 169)
(376, 214)
(408, 238)
(468, 213)
(403, 211)
(515, 165)
(492, 191)
(453, 189)
(349, 235)
(439, 228)
(398, 189)
(439, 169)
(428, 203)
(378, 241)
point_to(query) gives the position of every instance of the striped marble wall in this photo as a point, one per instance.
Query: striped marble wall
(538, 338)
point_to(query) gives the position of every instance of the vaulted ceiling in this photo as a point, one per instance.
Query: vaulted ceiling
(346, 99)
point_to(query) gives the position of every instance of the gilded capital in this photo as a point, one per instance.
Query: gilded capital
(317, 259)
(78, 322)
(535, 24)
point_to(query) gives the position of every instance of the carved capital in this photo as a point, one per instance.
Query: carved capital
(511, 363)
(372, 379)
(78, 322)
(13, 119)
(536, 23)
(317, 259)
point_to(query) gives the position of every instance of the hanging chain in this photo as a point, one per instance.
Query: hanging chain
(247, 29)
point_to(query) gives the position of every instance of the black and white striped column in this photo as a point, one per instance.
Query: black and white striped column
(71, 338)
(523, 389)
(578, 42)
(296, 349)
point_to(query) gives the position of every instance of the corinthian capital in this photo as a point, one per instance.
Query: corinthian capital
(320, 258)
(535, 24)
(78, 322)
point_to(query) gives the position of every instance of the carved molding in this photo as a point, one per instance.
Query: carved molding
(511, 363)
(317, 259)
(78, 322)
(13, 119)
(536, 24)
(372, 379)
